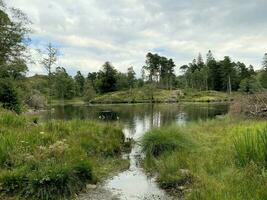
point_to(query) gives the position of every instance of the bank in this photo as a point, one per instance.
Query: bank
(223, 158)
(161, 96)
(56, 159)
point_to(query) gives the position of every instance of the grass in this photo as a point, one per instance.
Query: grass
(74, 101)
(222, 159)
(163, 140)
(56, 159)
(142, 95)
(206, 96)
(137, 95)
(251, 146)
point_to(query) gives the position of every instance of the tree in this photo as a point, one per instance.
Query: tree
(9, 97)
(13, 35)
(48, 61)
(210, 57)
(79, 83)
(250, 85)
(89, 92)
(13, 45)
(263, 76)
(121, 81)
(92, 78)
(131, 77)
(200, 62)
(63, 84)
(214, 73)
(152, 66)
(13, 42)
(107, 78)
(228, 72)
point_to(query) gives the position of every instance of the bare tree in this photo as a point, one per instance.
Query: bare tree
(48, 61)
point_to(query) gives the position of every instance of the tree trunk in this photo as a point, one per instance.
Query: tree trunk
(229, 84)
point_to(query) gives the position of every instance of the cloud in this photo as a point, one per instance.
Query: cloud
(90, 32)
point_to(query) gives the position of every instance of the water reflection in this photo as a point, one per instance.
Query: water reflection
(159, 114)
(137, 119)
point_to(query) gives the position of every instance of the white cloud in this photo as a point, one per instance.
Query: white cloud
(90, 32)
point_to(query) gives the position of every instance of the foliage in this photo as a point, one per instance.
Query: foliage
(63, 87)
(9, 97)
(107, 78)
(160, 70)
(79, 83)
(223, 75)
(250, 85)
(13, 39)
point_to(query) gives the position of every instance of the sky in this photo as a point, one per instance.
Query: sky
(90, 32)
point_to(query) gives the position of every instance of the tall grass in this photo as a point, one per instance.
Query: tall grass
(210, 170)
(251, 146)
(167, 139)
(56, 159)
(166, 150)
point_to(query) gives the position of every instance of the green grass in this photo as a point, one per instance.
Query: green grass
(219, 161)
(137, 95)
(167, 139)
(206, 96)
(251, 146)
(74, 101)
(56, 159)
(142, 95)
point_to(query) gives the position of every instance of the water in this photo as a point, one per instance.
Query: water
(136, 119)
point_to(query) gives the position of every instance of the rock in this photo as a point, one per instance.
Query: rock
(182, 188)
(184, 171)
(90, 186)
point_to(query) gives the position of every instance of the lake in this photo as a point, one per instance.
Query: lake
(136, 120)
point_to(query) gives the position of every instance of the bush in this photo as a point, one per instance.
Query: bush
(13, 182)
(159, 141)
(9, 97)
(59, 181)
(54, 182)
(250, 85)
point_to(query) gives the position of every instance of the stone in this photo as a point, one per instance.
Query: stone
(90, 186)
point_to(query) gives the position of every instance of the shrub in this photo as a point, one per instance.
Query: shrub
(158, 141)
(53, 182)
(13, 182)
(9, 97)
(250, 85)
